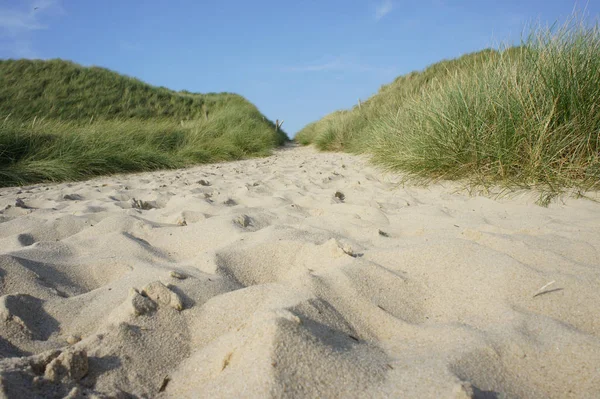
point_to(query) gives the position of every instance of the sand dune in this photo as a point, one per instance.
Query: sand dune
(254, 279)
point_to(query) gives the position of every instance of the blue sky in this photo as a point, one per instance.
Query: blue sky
(296, 60)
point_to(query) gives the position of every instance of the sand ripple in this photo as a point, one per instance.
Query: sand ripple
(303, 274)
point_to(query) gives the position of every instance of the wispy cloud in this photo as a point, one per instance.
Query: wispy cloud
(337, 64)
(13, 22)
(319, 66)
(128, 46)
(17, 25)
(383, 9)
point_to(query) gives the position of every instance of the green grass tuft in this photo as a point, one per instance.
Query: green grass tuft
(527, 116)
(60, 121)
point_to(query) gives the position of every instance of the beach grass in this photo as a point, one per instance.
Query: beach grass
(526, 116)
(61, 121)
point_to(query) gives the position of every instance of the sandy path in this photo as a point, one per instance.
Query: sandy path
(260, 282)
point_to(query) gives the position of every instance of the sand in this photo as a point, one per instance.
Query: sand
(255, 279)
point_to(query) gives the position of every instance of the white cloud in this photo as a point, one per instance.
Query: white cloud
(13, 22)
(335, 64)
(128, 46)
(17, 25)
(338, 64)
(383, 9)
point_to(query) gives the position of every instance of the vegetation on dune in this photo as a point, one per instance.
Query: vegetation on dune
(60, 121)
(348, 129)
(526, 116)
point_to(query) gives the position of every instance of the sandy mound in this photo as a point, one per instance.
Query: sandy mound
(299, 275)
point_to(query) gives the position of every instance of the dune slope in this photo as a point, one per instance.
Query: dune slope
(60, 121)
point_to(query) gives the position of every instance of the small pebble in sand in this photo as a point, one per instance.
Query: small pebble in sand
(160, 294)
(383, 233)
(71, 365)
(176, 302)
(73, 339)
(463, 390)
(230, 202)
(140, 304)
(177, 275)
(204, 182)
(75, 393)
(182, 222)
(339, 195)
(19, 203)
(243, 220)
(72, 197)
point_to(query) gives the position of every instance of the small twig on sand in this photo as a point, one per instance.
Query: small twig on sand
(164, 384)
(541, 290)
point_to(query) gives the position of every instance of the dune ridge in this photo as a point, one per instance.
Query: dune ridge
(303, 274)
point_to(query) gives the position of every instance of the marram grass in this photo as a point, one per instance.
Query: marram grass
(57, 125)
(527, 116)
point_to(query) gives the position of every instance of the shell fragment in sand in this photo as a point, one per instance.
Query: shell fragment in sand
(348, 250)
(73, 339)
(542, 290)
